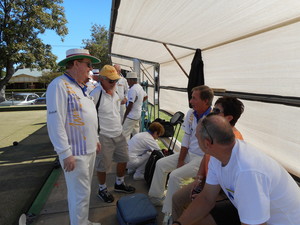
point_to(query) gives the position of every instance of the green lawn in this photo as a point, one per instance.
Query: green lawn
(166, 117)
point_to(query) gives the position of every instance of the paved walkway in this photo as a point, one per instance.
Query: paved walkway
(25, 170)
(55, 210)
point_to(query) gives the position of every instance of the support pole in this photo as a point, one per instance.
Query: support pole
(176, 60)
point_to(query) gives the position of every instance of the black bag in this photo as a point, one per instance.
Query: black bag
(177, 118)
(150, 165)
(169, 128)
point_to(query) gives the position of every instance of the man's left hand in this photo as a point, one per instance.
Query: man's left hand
(124, 101)
(98, 148)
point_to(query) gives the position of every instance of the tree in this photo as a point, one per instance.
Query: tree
(21, 21)
(98, 44)
(47, 77)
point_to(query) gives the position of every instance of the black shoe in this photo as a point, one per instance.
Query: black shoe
(105, 195)
(124, 188)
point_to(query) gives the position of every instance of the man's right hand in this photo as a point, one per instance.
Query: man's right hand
(69, 164)
(197, 185)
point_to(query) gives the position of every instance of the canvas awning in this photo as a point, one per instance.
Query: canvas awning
(249, 48)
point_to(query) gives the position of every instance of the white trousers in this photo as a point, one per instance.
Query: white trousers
(138, 163)
(122, 111)
(79, 188)
(166, 165)
(130, 127)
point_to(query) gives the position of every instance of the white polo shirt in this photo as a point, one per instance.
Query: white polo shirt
(108, 112)
(136, 95)
(189, 126)
(122, 88)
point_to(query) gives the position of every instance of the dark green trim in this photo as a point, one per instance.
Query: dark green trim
(44, 193)
(22, 108)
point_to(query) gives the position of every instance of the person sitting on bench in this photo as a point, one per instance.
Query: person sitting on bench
(186, 163)
(260, 189)
(231, 109)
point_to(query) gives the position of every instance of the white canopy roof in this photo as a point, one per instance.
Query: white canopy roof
(247, 46)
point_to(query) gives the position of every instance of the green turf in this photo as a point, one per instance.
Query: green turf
(166, 117)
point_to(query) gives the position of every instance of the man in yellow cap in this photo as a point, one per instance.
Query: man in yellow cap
(72, 128)
(114, 145)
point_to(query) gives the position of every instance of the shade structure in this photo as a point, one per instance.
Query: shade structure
(251, 49)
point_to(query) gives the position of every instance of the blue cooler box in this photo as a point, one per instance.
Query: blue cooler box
(136, 209)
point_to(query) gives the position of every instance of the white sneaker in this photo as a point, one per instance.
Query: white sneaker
(91, 223)
(157, 201)
(167, 219)
(138, 176)
(130, 171)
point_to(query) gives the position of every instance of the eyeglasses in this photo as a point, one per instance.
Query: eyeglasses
(216, 111)
(205, 128)
(89, 64)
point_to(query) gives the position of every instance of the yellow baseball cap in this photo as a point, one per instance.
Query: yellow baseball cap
(109, 72)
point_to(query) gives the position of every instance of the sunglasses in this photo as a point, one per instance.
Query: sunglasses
(216, 111)
(111, 81)
(89, 64)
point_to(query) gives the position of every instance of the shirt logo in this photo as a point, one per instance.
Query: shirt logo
(230, 193)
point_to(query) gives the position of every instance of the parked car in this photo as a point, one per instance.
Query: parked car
(21, 99)
(41, 100)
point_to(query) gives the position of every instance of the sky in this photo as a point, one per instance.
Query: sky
(81, 15)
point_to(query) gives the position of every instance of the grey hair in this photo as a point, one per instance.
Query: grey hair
(217, 128)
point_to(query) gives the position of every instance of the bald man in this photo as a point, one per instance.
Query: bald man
(261, 190)
(122, 90)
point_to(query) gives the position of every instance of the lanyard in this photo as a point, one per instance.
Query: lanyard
(83, 89)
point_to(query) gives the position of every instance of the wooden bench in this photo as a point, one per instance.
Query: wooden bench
(166, 141)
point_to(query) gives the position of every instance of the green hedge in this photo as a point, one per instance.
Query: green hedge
(25, 90)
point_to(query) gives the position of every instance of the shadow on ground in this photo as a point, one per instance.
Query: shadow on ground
(24, 168)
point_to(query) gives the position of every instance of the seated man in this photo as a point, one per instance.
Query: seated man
(260, 189)
(140, 147)
(186, 163)
(231, 109)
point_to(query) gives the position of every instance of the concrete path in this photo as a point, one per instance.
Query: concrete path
(27, 181)
(55, 211)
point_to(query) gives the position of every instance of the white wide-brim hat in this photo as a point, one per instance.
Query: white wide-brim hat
(96, 72)
(75, 53)
(131, 75)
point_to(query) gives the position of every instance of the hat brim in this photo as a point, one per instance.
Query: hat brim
(111, 76)
(93, 59)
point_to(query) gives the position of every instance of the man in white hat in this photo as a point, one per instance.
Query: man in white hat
(93, 80)
(122, 90)
(136, 97)
(72, 128)
(114, 145)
